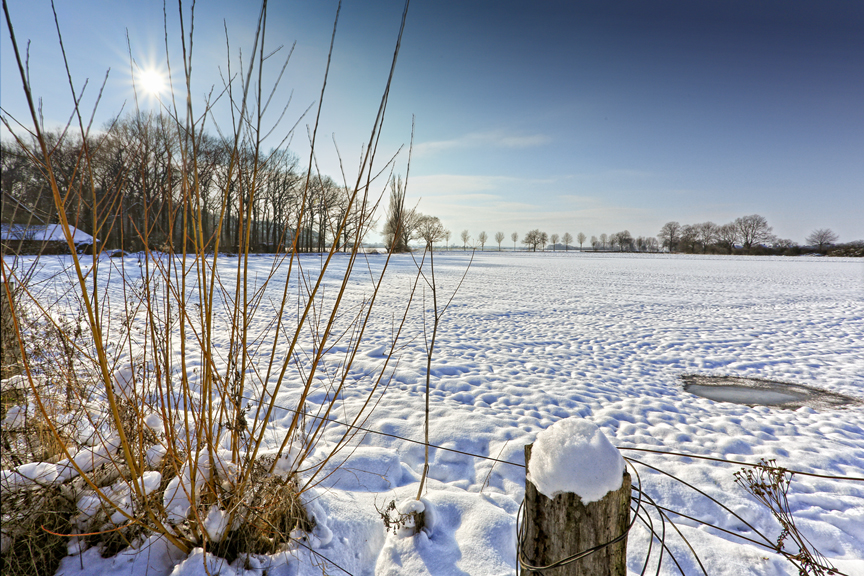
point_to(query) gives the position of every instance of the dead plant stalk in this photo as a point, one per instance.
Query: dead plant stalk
(178, 402)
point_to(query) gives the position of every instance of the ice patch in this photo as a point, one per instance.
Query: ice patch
(742, 395)
(760, 392)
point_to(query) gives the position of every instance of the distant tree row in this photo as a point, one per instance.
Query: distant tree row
(745, 235)
(537, 238)
(132, 190)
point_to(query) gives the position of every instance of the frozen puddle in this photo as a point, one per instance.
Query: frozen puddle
(744, 395)
(756, 392)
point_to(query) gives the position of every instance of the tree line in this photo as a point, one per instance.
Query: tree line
(130, 193)
(129, 190)
(744, 235)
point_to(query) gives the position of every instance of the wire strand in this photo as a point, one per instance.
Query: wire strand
(740, 463)
(633, 448)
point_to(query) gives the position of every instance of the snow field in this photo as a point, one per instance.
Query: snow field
(532, 339)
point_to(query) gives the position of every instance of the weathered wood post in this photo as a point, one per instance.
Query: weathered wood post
(558, 527)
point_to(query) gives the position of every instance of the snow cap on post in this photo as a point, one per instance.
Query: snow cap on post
(573, 455)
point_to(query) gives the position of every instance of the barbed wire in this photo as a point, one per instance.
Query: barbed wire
(740, 463)
(325, 558)
(518, 465)
(640, 511)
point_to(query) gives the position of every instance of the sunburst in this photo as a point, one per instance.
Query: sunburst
(153, 82)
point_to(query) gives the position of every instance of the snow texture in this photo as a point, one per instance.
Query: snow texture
(533, 339)
(574, 456)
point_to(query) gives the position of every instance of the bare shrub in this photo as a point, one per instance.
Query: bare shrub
(137, 422)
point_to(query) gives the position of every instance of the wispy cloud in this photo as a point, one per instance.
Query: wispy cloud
(470, 186)
(493, 139)
(509, 203)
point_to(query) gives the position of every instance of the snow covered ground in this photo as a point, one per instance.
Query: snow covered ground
(534, 338)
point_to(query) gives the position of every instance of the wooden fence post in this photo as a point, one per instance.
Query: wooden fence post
(556, 528)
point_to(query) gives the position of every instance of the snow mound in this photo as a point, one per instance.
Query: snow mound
(573, 455)
(408, 510)
(471, 536)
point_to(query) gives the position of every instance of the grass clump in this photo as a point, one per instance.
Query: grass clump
(35, 528)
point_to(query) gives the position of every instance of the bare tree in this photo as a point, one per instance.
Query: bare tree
(669, 235)
(482, 238)
(594, 243)
(581, 239)
(706, 233)
(603, 240)
(430, 229)
(688, 238)
(465, 237)
(499, 237)
(329, 211)
(625, 240)
(727, 235)
(400, 223)
(534, 238)
(822, 238)
(544, 237)
(555, 239)
(567, 238)
(752, 230)
(651, 244)
(447, 235)
(515, 238)
(783, 244)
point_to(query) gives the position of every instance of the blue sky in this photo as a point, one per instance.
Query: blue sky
(568, 117)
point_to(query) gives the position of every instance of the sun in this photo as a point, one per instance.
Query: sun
(152, 82)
